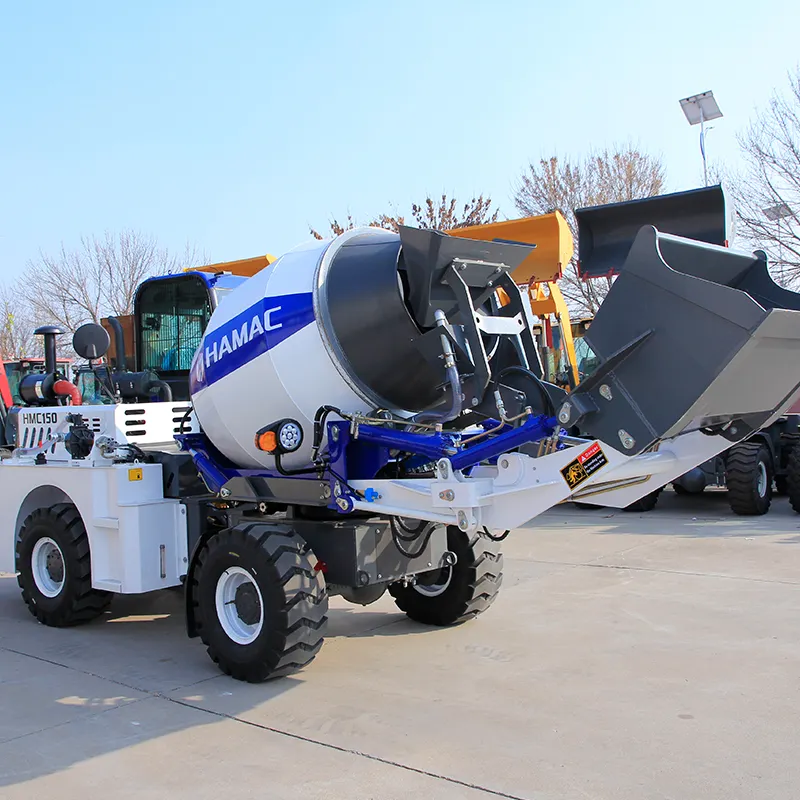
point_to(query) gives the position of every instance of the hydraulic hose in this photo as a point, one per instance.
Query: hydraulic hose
(453, 378)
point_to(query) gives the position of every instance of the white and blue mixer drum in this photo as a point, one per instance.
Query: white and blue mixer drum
(329, 323)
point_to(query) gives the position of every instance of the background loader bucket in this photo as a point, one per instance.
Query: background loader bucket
(606, 233)
(684, 346)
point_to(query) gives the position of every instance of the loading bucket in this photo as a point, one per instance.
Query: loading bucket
(606, 232)
(691, 336)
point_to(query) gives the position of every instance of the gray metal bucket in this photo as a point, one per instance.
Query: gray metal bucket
(685, 345)
(606, 232)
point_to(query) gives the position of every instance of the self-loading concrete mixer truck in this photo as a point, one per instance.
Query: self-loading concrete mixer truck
(364, 416)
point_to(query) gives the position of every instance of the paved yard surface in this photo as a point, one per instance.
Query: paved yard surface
(628, 656)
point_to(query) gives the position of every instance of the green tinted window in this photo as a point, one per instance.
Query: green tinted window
(173, 313)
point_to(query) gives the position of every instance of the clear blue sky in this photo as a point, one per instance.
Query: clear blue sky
(233, 125)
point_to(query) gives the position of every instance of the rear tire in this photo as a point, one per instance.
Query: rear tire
(55, 568)
(682, 491)
(459, 593)
(260, 603)
(646, 503)
(748, 476)
(793, 478)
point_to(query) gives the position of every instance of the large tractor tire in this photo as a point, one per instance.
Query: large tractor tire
(459, 593)
(748, 476)
(260, 603)
(55, 568)
(793, 478)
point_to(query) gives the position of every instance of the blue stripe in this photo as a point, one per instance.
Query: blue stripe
(248, 335)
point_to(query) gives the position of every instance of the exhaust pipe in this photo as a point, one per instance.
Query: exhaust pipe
(119, 343)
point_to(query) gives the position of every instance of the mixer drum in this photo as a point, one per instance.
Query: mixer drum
(349, 323)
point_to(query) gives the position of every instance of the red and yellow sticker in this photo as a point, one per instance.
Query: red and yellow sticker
(587, 463)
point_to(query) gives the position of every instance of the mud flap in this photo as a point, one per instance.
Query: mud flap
(684, 346)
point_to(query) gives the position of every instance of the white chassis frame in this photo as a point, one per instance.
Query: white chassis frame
(139, 541)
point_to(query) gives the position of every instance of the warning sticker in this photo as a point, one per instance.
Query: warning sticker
(586, 464)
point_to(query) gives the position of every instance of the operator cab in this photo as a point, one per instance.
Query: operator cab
(156, 344)
(170, 316)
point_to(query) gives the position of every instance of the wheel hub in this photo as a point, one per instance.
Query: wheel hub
(432, 584)
(49, 571)
(762, 479)
(248, 605)
(239, 605)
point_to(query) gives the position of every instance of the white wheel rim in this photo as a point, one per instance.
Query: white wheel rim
(435, 589)
(229, 603)
(49, 569)
(762, 479)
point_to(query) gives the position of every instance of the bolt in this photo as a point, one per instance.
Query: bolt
(326, 492)
(564, 413)
(605, 392)
(224, 492)
(463, 523)
(504, 463)
(363, 578)
(734, 431)
(497, 271)
(448, 495)
(429, 564)
(379, 576)
(627, 440)
(335, 434)
(474, 401)
(342, 503)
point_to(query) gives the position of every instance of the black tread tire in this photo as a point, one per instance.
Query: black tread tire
(644, 504)
(474, 584)
(77, 602)
(294, 593)
(741, 478)
(793, 478)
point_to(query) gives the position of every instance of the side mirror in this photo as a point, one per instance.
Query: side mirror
(91, 341)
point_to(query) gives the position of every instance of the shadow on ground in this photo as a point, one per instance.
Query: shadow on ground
(123, 662)
(706, 515)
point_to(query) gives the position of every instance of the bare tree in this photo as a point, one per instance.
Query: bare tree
(16, 326)
(766, 193)
(442, 214)
(611, 175)
(97, 278)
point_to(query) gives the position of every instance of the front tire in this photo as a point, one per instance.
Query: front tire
(459, 593)
(748, 476)
(260, 603)
(55, 568)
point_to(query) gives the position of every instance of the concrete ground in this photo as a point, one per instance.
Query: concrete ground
(628, 656)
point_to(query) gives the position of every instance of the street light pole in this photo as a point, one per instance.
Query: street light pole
(699, 109)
